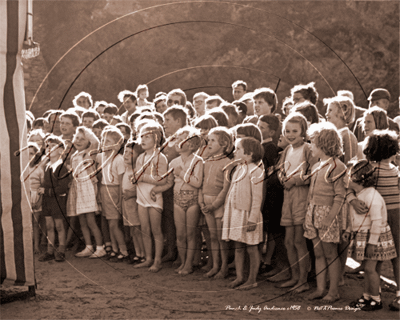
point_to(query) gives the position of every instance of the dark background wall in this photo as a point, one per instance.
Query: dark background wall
(103, 47)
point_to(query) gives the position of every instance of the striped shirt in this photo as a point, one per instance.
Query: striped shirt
(388, 184)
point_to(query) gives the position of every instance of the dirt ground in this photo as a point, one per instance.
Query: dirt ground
(81, 288)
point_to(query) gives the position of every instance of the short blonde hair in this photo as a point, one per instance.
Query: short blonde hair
(327, 138)
(94, 142)
(346, 106)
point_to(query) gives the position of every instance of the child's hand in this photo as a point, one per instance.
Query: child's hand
(370, 249)
(208, 208)
(346, 236)
(359, 206)
(40, 190)
(251, 226)
(133, 179)
(153, 195)
(178, 170)
(288, 184)
(326, 223)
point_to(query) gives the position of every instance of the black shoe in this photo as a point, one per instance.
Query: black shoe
(264, 268)
(59, 256)
(359, 303)
(46, 257)
(372, 306)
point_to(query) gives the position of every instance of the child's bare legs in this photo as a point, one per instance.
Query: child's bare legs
(59, 223)
(50, 234)
(117, 234)
(199, 243)
(239, 264)
(270, 250)
(331, 255)
(36, 232)
(144, 218)
(207, 237)
(372, 278)
(155, 221)
(343, 249)
(91, 222)
(320, 269)
(180, 226)
(212, 227)
(72, 229)
(254, 256)
(105, 231)
(303, 257)
(224, 250)
(292, 257)
(136, 234)
(192, 220)
(85, 230)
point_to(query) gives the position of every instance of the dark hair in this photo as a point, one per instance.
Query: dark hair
(190, 109)
(125, 95)
(308, 92)
(381, 145)
(380, 117)
(268, 95)
(219, 115)
(38, 122)
(213, 98)
(117, 118)
(240, 83)
(251, 119)
(240, 106)
(249, 130)
(73, 116)
(28, 122)
(134, 145)
(363, 173)
(253, 147)
(124, 125)
(100, 124)
(91, 114)
(272, 121)
(205, 122)
(177, 112)
(159, 94)
(99, 104)
(159, 117)
(159, 99)
(180, 93)
(309, 110)
(134, 116)
(55, 139)
(230, 110)
(110, 109)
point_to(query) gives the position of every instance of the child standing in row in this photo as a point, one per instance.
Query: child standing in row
(188, 178)
(129, 200)
(212, 196)
(55, 191)
(150, 167)
(242, 221)
(113, 169)
(83, 192)
(326, 197)
(373, 241)
(296, 158)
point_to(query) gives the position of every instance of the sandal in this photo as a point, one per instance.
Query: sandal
(372, 306)
(394, 305)
(359, 303)
(112, 256)
(123, 258)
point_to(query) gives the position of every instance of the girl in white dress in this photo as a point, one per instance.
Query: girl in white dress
(242, 221)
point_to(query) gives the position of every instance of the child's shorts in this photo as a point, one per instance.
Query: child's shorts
(186, 198)
(312, 224)
(130, 212)
(208, 200)
(294, 206)
(109, 200)
(385, 249)
(55, 207)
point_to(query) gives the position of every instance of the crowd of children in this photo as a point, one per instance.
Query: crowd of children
(295, 191)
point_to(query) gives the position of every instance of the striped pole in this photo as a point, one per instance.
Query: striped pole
(16, 250)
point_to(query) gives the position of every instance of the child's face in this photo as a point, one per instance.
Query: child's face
(214, 148)
(369, 124)
(239, 152)
(66, 126)
(100, 110)
(316, 152)
(37, 139)
(109, 141)
(54, 124)
(238, 92)
(211, 105)
(293, 133)
(88, 122)
(199, 105)
(265, 130)
(130, 157)
(83, 102)
(297, 98)
(250, 106)
(161, 106)
(97, 132)
(130, 106)
(147, 140)
(80, 141)
(53, 150)
(333, 114)
(184, 147)
(124, 133)
(143, 94)
(261, 107)
(107, 116)
(32, 153)
(171, 125)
